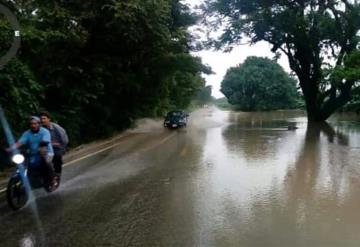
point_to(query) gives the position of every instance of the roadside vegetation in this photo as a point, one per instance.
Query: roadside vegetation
(223, 103)
(320, 39)
(260, 84)
(100, 64)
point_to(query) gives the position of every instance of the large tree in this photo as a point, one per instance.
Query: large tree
(99, 61)
(319, 37)
(259, 84)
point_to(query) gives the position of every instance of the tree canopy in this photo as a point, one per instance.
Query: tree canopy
(259, 84)
(320, 38)
(99, 64)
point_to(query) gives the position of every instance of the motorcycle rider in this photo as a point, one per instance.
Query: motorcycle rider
(40, 151)
(59, 140)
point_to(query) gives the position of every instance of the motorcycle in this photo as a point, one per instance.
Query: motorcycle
(22, 181)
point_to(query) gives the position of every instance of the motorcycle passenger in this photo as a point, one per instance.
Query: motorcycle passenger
(40, 151)
(59, 140)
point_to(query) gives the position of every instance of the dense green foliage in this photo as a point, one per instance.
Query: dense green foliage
(97, 65)
(320, 38)
(204, 96)
(259, 84)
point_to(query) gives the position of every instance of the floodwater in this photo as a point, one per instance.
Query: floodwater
(267, 185)
(229, 179)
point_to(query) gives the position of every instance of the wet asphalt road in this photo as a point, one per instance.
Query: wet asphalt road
(229, 179)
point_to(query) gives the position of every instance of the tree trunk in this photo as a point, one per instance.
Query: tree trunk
(314, 114)
(321, 111)
(313, 110)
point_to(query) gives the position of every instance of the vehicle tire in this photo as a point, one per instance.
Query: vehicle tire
(16, 195)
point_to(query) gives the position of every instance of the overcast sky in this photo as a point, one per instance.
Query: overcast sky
(220, 61)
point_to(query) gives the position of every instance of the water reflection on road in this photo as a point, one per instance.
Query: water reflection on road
(263, 184)
(229, 179)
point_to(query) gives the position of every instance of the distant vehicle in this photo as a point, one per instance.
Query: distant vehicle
(176, 119)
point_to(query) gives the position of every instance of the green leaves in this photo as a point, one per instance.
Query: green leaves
(350, 70)
(20, 92)
(311, 34)
(6, 35)
(259, 84)
(97, 65)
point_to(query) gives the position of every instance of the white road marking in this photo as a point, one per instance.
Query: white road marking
(90, 155)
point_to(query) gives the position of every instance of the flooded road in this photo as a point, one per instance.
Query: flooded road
(229, 179)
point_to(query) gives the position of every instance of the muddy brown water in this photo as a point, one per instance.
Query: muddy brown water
(229, 179)
(267, 185)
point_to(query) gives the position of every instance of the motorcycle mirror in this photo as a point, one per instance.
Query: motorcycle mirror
(18, 159)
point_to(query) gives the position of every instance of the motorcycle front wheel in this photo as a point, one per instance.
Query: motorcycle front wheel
(16, 195)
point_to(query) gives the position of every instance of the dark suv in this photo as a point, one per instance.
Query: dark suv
(176, 119)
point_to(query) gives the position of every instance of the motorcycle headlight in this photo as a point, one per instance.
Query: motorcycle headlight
(18, 159)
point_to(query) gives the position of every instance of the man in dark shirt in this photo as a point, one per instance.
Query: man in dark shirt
(59, 140)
